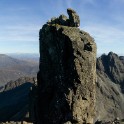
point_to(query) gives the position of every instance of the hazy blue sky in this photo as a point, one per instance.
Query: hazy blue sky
(20, 21)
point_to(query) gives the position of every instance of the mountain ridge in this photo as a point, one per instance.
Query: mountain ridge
(109, 87)
(15, 99)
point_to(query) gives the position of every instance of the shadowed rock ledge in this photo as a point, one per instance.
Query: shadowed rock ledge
(66, 80)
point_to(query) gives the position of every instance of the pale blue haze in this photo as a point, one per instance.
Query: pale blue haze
(20, 21)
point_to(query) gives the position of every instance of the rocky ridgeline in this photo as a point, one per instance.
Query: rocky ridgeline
(113, 66)
(22, 80)
(18, 101)
(110, 87)
(66, 80)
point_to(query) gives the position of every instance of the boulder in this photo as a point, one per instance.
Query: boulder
(73, 18)
(63, 20)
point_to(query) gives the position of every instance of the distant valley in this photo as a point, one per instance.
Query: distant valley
(32, 57)
(13, 68)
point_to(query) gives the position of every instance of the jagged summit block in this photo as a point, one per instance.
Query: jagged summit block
(66, 80)
(72, 21)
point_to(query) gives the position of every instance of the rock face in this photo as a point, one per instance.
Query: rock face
(66, 80)
(110, 87)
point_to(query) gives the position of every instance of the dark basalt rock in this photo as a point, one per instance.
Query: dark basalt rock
(66, 80)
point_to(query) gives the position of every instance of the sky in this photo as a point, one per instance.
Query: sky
(20, 21)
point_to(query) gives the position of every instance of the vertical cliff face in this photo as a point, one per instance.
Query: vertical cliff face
(66, 80)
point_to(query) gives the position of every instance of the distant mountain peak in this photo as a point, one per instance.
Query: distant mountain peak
(110, 87)
(112, 65)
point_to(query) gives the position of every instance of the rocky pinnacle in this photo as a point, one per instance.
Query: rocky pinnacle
(66, 79)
